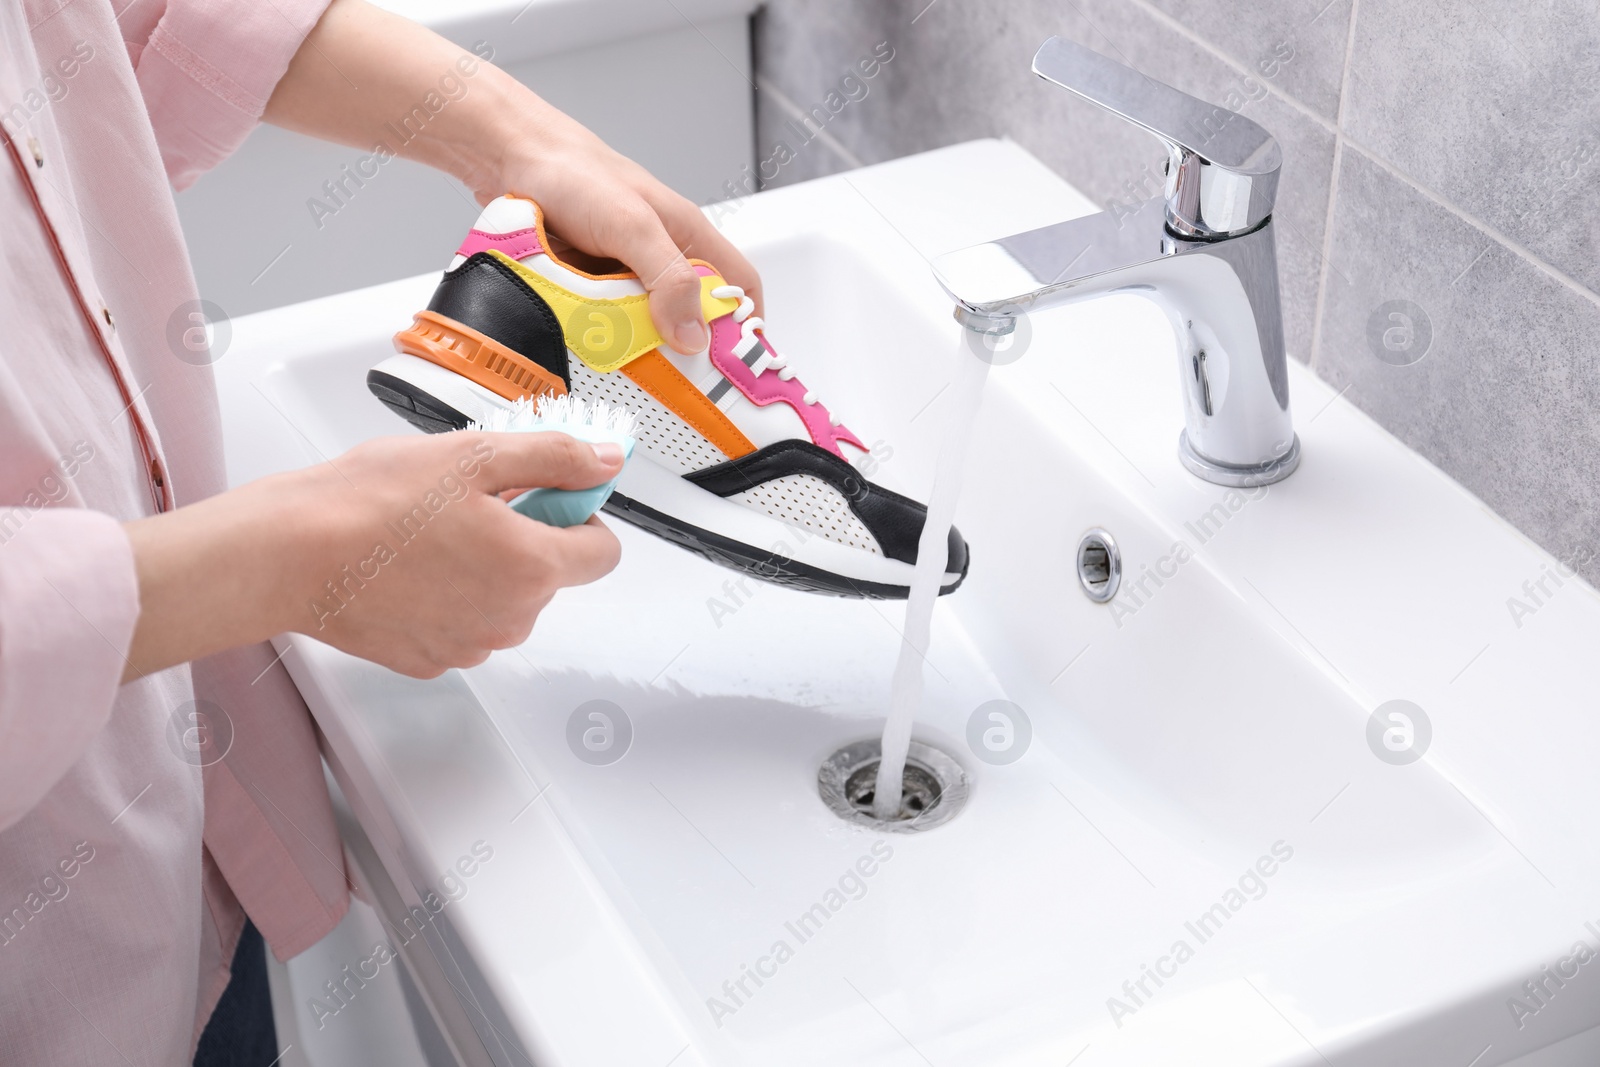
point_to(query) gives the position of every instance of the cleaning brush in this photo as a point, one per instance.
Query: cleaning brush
(595, 423)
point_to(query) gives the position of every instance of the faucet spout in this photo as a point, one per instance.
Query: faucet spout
(1218, 286)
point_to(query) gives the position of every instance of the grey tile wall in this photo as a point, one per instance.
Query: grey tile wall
(1441, 164)
(1505, 397)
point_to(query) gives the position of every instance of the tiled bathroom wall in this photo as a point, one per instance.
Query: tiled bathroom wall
(1439, 213)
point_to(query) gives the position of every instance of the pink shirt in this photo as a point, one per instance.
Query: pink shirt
(123, 861)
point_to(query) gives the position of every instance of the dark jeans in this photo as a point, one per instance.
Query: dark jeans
(240, 1033)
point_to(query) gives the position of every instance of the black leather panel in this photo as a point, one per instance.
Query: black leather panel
(896, 521)
(487, 295)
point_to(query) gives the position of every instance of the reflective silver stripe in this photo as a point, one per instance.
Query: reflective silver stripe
(720, 390)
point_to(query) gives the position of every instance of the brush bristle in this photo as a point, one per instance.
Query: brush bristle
(554, 412)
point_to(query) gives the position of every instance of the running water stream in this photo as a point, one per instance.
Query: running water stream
(905, 691)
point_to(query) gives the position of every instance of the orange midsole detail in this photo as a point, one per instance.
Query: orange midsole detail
(656, 375)
(476, 357)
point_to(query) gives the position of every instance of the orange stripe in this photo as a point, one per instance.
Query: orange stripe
(656, 375)
(476, 357)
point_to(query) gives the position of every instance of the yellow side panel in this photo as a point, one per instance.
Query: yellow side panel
(608, 334)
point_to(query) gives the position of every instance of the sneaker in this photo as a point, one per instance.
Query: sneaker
(737, 460)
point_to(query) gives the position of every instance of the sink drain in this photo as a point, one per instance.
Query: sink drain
(934, 787)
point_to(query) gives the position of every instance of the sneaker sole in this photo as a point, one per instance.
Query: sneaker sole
(768, 567)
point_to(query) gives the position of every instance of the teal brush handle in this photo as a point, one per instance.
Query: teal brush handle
(568, 507)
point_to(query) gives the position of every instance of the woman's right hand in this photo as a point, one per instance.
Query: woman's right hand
(401, 551)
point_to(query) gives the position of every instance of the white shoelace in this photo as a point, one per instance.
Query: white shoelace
(749, 323)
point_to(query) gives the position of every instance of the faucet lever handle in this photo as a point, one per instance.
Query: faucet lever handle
(1222, 178)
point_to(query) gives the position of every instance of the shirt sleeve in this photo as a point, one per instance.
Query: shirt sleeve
(206, 69)
(69, 599)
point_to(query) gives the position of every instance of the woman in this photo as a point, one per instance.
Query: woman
(135, 595)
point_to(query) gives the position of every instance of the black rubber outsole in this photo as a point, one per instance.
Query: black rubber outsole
(767, 566)
(422, 410)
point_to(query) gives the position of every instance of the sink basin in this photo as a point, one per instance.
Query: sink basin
(1206, 854)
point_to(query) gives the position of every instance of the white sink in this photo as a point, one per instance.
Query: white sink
(1209, 722)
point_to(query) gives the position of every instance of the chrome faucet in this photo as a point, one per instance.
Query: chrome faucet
(1204, 252)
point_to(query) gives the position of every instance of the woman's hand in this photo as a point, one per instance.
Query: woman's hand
(362, 66)
(607, 205)
(401, 551)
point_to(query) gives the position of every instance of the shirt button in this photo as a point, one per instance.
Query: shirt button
(105, 311)
(156, 477)
(37, 150)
